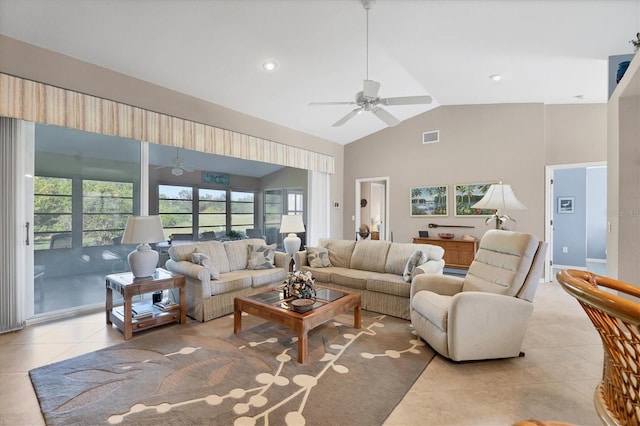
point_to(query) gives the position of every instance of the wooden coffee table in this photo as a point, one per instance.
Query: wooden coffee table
(272, 306)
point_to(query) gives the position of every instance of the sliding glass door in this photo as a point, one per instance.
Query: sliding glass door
(85, 187)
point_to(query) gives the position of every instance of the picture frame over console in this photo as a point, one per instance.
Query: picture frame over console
(466, 195)
(429, 201)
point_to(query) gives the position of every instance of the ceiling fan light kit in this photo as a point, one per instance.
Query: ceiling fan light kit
(178, 165)
(368, 100)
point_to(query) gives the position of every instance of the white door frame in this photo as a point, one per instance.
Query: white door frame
(549, 209)
(387, 181)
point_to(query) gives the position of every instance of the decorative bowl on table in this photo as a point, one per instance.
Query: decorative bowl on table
(302, 305)
(445, 235)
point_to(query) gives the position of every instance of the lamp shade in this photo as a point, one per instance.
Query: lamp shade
(290, 225)
(143, 230)
(500, 197)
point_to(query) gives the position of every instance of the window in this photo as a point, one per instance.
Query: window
(105, 209)
(212, 210)
(52, 212)
(294, 202)
(175, 209)
(242, 210)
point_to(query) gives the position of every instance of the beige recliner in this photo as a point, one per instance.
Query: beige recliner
(485, 314)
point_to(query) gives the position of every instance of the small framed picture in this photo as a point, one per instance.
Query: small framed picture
(565, 205)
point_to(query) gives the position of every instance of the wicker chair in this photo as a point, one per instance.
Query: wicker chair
(617, 319)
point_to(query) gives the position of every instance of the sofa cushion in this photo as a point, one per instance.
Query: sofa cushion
(231, 281)
(351, 278)
(389, 284)
(370, 255)
(237, 253)
(214, 250)
(263, 277)
(418, 257)
(339, 251)
(318, 257)
(321, 275)
(261, 256)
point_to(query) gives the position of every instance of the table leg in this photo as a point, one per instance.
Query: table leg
(237, 318)
(109, 303)
(183, 305)
(357, 318)
(128, 318)
(302, 346)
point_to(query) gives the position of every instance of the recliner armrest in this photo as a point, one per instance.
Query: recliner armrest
(446, 285)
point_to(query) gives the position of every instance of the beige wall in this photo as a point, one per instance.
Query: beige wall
(34, 63)
(575, 133)
(478, 143)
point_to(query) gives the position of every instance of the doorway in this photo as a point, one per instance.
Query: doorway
(576, 229)
(372, 205)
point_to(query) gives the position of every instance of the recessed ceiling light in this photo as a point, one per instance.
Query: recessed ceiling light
(269, 65)
(495, 77)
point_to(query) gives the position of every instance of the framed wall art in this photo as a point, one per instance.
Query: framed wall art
(467, 195)
(565, 205)
(428, 201)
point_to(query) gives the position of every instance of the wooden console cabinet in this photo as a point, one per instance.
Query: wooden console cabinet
(457, 253)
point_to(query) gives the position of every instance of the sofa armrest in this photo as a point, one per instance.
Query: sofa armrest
(429, 267)
(190, 270)
(446, 285)
(282, 260)
(300, 257)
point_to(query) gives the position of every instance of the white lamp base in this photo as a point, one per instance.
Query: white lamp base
(291, 244)
(143, 261)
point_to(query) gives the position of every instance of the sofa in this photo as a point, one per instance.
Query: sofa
(381, 271)
(216, 272)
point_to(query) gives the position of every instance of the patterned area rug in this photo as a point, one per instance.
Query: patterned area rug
(204, 374)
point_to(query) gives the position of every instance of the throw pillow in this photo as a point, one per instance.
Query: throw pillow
(318, 257)
(260, 256)
(203, 259)
(418, 257)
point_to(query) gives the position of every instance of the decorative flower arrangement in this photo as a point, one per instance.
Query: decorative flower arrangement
(299, 284)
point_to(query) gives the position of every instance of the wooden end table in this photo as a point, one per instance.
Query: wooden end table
(272, 306)
(128, 286)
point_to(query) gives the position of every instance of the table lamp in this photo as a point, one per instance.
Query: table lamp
(143, 230)
(290, 225)
(500, 197)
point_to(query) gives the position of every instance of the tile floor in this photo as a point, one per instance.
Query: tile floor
(554, 381)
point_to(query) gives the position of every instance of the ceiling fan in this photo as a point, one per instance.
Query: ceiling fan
(178, 165)
(368, 100)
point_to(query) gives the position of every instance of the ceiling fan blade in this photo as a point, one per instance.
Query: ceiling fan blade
(407, 100)
(370, 89)
(347, 117)
(331, 103)
(383, 115)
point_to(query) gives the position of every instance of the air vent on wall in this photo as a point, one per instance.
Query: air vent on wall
(431, 137)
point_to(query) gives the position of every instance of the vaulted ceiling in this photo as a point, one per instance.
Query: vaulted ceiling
(547, 51)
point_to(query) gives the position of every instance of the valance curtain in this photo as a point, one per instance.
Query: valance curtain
(16, 193)
(42, 103)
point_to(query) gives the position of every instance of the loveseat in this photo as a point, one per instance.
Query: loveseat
(216, 272)
(381, 271)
